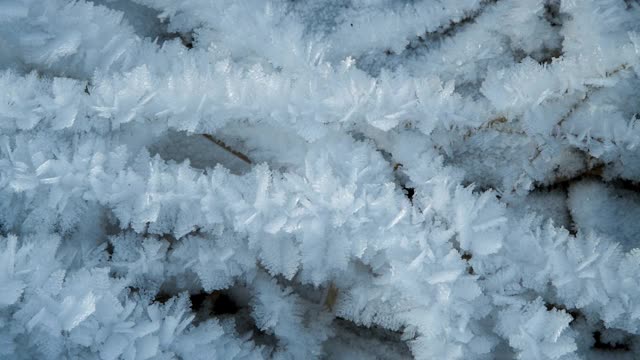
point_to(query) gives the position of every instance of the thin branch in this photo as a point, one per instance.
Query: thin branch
(226, 147)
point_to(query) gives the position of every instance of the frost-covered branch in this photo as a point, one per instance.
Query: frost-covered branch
(355, 179)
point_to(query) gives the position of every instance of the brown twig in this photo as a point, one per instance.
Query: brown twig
(226, 147)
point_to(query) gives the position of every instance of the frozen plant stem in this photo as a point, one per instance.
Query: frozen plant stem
(420, 163)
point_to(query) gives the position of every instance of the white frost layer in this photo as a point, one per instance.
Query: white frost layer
(349, 179)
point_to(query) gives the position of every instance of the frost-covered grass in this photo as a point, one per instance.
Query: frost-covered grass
(340, 179)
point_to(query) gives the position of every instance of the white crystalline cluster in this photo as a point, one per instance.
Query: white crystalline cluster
(340, 179)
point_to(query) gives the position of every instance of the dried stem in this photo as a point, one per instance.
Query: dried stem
(226, 147)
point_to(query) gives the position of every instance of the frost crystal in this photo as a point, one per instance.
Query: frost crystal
(348, 179)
